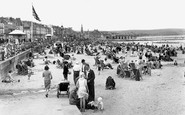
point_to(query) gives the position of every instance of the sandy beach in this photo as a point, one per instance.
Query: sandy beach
(162, 93)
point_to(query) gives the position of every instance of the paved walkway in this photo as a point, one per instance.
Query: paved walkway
(37, 104)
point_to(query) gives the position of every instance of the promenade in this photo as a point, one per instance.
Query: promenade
(36, 104)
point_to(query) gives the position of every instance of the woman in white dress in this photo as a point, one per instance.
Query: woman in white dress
(82, 91)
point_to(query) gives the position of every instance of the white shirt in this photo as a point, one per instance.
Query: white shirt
(82, 67)
(16, 41)
(88, 72)
(77, 67)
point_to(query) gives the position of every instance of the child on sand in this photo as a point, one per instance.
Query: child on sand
(175, 63)
(99, 67)
(29, 72)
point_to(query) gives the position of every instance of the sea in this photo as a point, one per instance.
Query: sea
(172, 43)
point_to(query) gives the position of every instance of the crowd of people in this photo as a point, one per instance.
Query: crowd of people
(148, 57)
(10, 48)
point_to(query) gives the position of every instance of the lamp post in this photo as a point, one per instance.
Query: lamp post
(61, 32)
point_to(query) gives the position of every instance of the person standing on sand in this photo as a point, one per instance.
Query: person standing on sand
(82, 91)
(99, 67)
(47, 79)
(76, 71)
(90, 83)
(29, 72)
(84, 66)
(66, 70)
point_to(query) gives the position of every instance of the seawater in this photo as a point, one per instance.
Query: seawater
(173, 43)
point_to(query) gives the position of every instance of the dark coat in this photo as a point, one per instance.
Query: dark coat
(66, 69)
(90, 84)
(84, 69)
(90, 77)
(110, 83)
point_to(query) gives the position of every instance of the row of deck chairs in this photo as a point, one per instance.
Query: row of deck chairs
(126, 70)
(101, 62)
(163, 58)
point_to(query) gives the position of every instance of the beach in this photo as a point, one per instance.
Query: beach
(162, 93)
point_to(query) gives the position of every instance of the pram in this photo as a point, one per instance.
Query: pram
(63, 88)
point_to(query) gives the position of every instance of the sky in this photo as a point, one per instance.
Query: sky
(104, 15)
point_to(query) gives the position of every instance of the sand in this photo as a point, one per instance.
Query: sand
(163, 93)
(160, 94)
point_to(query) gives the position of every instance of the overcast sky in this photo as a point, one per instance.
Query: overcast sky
(100, 14)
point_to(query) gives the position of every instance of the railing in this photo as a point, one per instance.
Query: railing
(13, 49)
(10, 63)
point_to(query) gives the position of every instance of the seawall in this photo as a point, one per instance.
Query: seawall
(10, 64)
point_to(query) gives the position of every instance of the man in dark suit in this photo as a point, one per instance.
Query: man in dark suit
(84, 66)
(90, 83)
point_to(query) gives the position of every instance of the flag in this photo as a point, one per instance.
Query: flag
(35, 14)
